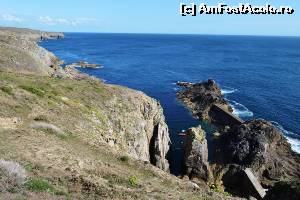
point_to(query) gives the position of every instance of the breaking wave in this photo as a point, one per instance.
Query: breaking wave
(291, 137)
(240, 110)
(228, 90)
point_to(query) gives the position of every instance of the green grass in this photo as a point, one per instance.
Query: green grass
(7, 89)
(34, 90)
(39, 185)
(124, 158)
(133, 181)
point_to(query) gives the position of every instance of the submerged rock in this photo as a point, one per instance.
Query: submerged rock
(196, 154)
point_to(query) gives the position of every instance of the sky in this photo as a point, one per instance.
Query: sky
(148, 16)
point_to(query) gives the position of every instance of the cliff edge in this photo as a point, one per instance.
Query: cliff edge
(69, 136)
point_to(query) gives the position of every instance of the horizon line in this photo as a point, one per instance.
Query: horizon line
(206, 34)
(149, 33)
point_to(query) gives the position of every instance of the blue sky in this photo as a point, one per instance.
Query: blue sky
(136, 16)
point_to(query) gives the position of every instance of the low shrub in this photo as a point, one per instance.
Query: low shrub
(133, 181)
(124, 158)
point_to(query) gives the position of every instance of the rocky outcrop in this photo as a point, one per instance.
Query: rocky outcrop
(259, 145)
(21, 53)
(152, 142)
(196, 154)
(249, 156)
(201, 97)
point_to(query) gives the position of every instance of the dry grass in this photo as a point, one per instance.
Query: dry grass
(82, 165)
(12, 175)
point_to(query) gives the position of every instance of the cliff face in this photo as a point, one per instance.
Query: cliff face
(20, 53)
(141, 128)
(130, 120)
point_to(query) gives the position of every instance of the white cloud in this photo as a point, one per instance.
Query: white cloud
(10, 18)
(69, 22)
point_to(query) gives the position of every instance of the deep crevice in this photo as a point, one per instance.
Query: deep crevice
(152, 150)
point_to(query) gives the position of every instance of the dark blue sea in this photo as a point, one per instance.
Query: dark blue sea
(260, 76)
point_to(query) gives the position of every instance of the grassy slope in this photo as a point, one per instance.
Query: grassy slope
(76, 164)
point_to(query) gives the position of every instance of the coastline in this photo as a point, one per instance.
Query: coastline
(125, 124)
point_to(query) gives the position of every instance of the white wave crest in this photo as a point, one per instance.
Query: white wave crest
(228, 90)
(290, 136)
(240, 110)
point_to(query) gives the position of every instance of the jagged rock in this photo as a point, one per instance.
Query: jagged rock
(196, 154)
(242, 182)
(284, 190)
(259, 145)
(201, 97)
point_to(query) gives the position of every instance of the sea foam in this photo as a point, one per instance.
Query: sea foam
(228, 90)
(290, 136)
(240, 110)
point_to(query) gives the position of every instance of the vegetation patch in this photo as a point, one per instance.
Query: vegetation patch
(124, 158)
(219, 189)
(7, 89)
(40, 185)
(34, 90)
(133, 181)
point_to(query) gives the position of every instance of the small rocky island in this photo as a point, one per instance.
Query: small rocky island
(251, 158)
(84, 64)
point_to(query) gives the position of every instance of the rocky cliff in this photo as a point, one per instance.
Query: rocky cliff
(20, 53)
(75, 137)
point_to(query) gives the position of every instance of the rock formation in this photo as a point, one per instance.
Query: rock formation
(196, 154)
(250, 155)
(259, 145)
(160, 144)
(200, 98)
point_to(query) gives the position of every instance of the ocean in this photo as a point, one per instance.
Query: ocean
(259, 76)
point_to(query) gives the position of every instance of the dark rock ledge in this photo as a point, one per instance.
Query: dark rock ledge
(249, 157)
